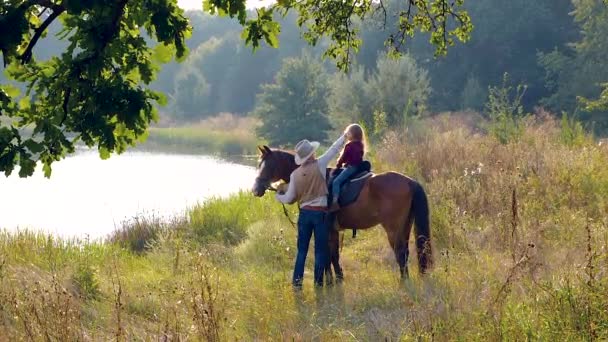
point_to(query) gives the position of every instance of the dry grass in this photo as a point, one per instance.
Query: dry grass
(520, 231)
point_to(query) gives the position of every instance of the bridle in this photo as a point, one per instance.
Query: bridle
(269, 187)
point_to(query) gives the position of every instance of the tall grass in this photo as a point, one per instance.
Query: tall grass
(519, 227)
(225, 135)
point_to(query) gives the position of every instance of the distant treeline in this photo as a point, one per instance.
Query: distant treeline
(556, 48)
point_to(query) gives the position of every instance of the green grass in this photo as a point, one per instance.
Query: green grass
(200, 141)
(225, 135)
(520, 241)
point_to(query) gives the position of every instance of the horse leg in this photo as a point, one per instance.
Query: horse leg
(398, 237)
(329, 275)
(334, 253)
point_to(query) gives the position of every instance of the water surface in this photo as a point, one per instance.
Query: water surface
(87, 196)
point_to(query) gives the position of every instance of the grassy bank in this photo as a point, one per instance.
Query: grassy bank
(521, 253)
(226, 135)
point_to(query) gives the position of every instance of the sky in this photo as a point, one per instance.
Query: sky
(198, 4)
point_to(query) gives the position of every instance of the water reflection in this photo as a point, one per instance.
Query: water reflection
(89, 196)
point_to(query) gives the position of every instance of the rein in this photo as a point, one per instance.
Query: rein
(269, 187)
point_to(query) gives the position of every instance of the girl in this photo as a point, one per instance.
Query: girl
(350, 159)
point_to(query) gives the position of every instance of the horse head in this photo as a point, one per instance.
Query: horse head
(274, 165)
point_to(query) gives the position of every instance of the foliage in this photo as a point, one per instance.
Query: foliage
(398, 84)
(522, 29)
(191, 94)
(396, 88)
(505, 111)
(225, 221)
(86, 280)
(445, 21)
(473, 95)
(94, 92)
(139, 234)
(295, 106)
(100, 82)
(380, 124)
(225, 135)
(580, 69)
(349, 100)
(572, 132)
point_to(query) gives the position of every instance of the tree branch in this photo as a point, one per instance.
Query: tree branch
(26, 56)
(66, 99)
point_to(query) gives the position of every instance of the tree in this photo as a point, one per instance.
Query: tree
(94, 91)
(446, 21)
(473, 95)
(97, 90)
(191, 94)
(580, 70)
(398, 86)
(294, 107)
(350, 100)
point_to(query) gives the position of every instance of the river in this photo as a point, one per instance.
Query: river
(90, 197)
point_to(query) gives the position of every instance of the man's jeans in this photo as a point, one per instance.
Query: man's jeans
(341, 178)
(310, 221)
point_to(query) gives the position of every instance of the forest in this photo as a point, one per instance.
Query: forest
(553, 51)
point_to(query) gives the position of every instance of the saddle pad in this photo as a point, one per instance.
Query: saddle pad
(350, 190)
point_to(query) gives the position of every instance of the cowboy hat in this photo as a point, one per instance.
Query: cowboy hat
(304, 150)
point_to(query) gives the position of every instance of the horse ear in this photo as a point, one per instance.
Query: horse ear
(262, 151)
(267, 149)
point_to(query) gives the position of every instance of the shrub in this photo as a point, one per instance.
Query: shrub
(505, 110)
(86, 281)
(572, 132)
(225, 220)
(139, 233)
(269, 243)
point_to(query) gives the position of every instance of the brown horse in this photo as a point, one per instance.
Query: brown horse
(390, 199)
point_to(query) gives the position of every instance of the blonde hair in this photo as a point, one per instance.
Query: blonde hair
(357, 134)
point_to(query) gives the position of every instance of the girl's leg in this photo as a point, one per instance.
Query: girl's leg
(338, 181)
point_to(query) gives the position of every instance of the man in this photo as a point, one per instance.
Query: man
(308, 187)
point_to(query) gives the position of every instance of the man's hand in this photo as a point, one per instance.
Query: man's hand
(282, 188)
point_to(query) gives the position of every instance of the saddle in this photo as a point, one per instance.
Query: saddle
(351, 188)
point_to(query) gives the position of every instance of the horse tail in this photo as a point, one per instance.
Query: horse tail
(420, 209)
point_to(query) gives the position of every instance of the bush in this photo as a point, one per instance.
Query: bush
(86, 281)
(572, 132)
(473, 95)
(505, 110)
(225, 220)
(139, 233)
(269, 243)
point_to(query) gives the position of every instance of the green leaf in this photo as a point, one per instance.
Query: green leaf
(104, 153)
(162, 99)
(10, 90)
(46, 168)
(26, 165)
(24, 103)
(33, 146)
(163, 53)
